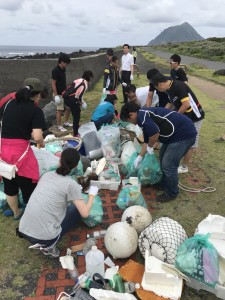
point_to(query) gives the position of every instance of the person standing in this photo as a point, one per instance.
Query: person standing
(112, 77)
(177, 72)
(127, 64)
(184, 101)
(134, 53)
(21, 121)
(75, 101)
(175, 131)
(58, 86)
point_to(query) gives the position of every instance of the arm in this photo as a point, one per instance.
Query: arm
(185, 106)
(54, 87)
(37, 136)
(143, 150)
(84, 208)
(169, 106)
(153, 139)
(149, 99)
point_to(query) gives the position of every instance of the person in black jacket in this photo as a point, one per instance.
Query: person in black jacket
(111, 77)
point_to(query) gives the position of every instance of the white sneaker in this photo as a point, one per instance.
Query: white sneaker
(182, 169)
(67, 124)
(60, 128)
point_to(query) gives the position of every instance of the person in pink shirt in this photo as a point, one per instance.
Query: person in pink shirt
(75, 101)
(28, 122)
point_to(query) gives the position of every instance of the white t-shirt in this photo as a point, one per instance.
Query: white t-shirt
(127, 61)
(142, 95)
(47, 206)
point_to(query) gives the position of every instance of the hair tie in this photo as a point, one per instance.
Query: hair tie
(27, 87)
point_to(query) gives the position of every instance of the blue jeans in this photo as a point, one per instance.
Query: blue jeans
(106, 119)
(71, 219)
(170, 156)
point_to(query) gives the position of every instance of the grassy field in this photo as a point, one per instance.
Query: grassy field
(21, 267)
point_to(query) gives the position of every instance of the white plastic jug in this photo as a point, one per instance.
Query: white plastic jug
(95, 261)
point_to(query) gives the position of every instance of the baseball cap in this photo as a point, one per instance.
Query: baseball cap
(35, 84)
(109, 52)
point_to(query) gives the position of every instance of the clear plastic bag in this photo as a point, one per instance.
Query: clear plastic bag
(199, 259)
(149, 171)
(96, 212)
(130, 196)
(110, 141)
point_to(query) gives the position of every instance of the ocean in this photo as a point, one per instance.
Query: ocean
(10, 51)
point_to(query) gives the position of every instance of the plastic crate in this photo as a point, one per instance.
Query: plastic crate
(218, 291)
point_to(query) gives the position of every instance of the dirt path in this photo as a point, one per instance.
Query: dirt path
(212, 89)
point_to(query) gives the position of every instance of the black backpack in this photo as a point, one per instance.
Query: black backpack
(70, 91)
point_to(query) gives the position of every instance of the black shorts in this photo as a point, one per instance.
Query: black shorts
(11, 187)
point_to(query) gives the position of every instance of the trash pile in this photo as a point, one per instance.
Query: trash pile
(171, 258)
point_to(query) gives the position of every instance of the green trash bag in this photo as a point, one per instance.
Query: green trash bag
(96, 212)
(130, 196)
(129, 170)
(199, 259)
(149, 171)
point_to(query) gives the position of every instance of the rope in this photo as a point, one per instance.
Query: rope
(208, 189)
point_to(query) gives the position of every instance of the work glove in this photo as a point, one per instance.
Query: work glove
(131, 77)
(93, 190)
(137, 162)
(124, 84)
(150, 150)
(57, 99)
(84, 105)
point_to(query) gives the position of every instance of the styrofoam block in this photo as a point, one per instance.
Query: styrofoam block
(154, 273)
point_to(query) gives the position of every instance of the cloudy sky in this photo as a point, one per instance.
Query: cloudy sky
(103, 23)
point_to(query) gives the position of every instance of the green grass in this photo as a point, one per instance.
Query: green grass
(21, 267)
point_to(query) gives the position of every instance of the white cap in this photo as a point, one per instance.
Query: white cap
(94, 248)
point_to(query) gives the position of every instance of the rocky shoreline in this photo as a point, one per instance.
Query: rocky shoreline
(75, 54)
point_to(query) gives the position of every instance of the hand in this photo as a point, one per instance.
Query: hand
(150, 150)
(137, 162)
(104, 91)
(57, 99)
(84, 105)
(93, 190)
(124, 84)
(131, 77)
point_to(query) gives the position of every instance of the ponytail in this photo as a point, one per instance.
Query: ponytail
(69, 160)
(25, 94)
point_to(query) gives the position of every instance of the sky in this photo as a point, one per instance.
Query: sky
(103, 23)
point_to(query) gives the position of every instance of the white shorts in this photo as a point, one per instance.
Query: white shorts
(198, 126)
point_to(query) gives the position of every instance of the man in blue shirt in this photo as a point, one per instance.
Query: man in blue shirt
(175, 131)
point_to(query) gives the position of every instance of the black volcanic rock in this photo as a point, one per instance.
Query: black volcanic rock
(180, 33)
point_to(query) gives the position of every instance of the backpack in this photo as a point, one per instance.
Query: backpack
(70, 91)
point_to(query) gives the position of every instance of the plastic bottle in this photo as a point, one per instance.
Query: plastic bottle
(119, 285)
(97, 234)
(95, 262)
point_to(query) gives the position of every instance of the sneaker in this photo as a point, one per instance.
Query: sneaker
(164, 198)
(67, 124)
(182, 169)
(52, 252)
(60, 128)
